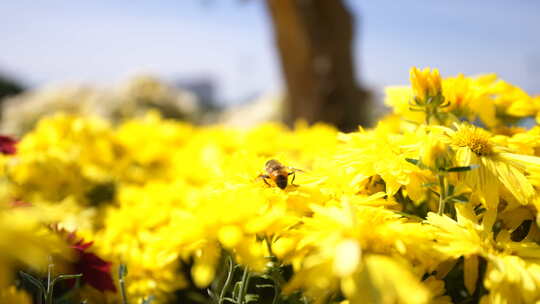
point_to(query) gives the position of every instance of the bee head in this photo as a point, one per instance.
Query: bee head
(281, 181)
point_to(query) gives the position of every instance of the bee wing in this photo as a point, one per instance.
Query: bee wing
(295, 169)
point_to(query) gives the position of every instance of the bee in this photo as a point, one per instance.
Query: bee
(278, 173)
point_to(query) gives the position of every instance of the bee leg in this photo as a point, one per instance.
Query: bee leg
(293, 176)
(264, 177)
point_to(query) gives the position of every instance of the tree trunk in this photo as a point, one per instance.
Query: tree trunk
(314, 39)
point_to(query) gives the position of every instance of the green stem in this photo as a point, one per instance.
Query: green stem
(122, 272)
(227, 282)
(123, 290)
(49, 297)
(439, 119)
(442, 195)
(243, 287)
(273, 259)
(277, 292)
(49, 276)
(271, 256)
(50, 285)
(269, 246)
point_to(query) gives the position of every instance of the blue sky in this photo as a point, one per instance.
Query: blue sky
(230, 41)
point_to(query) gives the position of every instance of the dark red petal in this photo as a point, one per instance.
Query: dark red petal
(80, 245)
(96, 271)
(7, 145)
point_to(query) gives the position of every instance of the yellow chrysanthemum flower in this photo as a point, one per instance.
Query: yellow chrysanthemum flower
(376, 153)
(496, 170)
(469, 98)
(493, 102)
(512, 267)
(335, 250)
(511, 279)
(64, 156)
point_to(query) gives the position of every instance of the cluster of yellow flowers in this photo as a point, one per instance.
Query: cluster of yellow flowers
(436, 204)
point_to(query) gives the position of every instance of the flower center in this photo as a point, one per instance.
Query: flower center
(476, 139)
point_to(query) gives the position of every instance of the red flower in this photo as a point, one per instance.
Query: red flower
(95, 270)
(7, 145)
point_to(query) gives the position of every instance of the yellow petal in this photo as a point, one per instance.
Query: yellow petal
(203, 274)
(347, 257)
(444, 268)
(470, 273)
(229, 236)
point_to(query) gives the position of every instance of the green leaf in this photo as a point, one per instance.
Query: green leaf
(63, 277)
(462, 169)
(427, 185)
(451, 189)
(265, 276)
(479, 210)
(459, 199)
(66, 297)
(413, 161)
(148, 300)
(410, 216)
(251, 298)
(34, 281)
(211, 294)
(415, 109)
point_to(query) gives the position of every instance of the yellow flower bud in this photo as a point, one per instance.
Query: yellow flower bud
(434, 83)
(425, 83)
